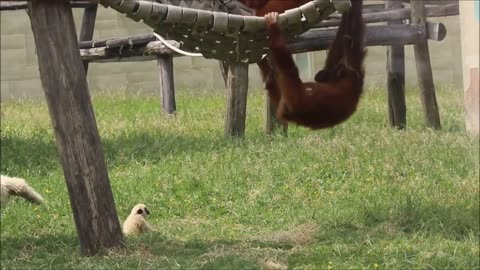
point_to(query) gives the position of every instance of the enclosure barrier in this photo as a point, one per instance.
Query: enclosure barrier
(395, 35)
(72, 115)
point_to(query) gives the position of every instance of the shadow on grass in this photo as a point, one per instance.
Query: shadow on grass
(152, 248)
(39, 153)
(155, 250)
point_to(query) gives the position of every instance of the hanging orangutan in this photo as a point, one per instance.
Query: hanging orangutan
(334, 97)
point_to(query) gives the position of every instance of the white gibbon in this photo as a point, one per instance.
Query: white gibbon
(14, 186)
(136, 223)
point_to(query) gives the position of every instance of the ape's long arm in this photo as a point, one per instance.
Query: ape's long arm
(334, 97)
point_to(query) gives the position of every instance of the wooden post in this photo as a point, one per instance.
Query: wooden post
(224, 71)
(397, 109)
(87, 28)
(167, 85)
(271, 124)
(469, 23)
(237, 89)
(78, 142)
(424, 67)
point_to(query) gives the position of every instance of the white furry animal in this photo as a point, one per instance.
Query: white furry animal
(136, 222)
(14, 186)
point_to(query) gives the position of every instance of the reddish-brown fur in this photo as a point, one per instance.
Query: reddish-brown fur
(262, 7)
(334, 97)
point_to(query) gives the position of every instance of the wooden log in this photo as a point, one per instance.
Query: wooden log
(138, 53)
(167, 85)
(271, 124)
(436, 31)
(130, 41)
(424, 67)
(236, 100)
(376, 35)
(87, 28)
(119, 41)
(78, 142)
(398, 14)
(18, 5)
(312, 40)
(92, 44)
(397, 109)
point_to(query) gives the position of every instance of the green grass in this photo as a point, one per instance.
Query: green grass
(360, 195)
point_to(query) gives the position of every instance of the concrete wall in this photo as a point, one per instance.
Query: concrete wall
(19, 72)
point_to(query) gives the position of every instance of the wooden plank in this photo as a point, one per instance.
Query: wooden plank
(237, 89)
(397, 109)
(424, 67)
(167, 85)
(78, 142)
(87, 27)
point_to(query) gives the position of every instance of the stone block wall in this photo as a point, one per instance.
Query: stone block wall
(19, 74)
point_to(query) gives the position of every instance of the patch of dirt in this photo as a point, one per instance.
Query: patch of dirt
(273, 265)
(300, 235)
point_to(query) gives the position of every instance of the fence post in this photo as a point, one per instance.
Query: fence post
(424, 67)
(167, 84)
(237, 89)
(469, 22)
(87, 28)
(397, 109)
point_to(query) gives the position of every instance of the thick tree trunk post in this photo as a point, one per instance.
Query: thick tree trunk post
(167, 85)
(237, 89)
(424, 67)
(397, 109)
(271, 124)
(79, 147)
(87, 28)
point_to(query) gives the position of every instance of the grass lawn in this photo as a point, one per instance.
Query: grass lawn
(360, 195)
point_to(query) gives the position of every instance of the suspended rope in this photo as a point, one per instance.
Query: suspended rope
(218, 34)
(175, 49)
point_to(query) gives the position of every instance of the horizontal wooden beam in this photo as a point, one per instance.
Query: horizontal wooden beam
(150, 51)
(118, 42)
(140, 48)
(376, 35)
(398, 14)
(18, 5)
